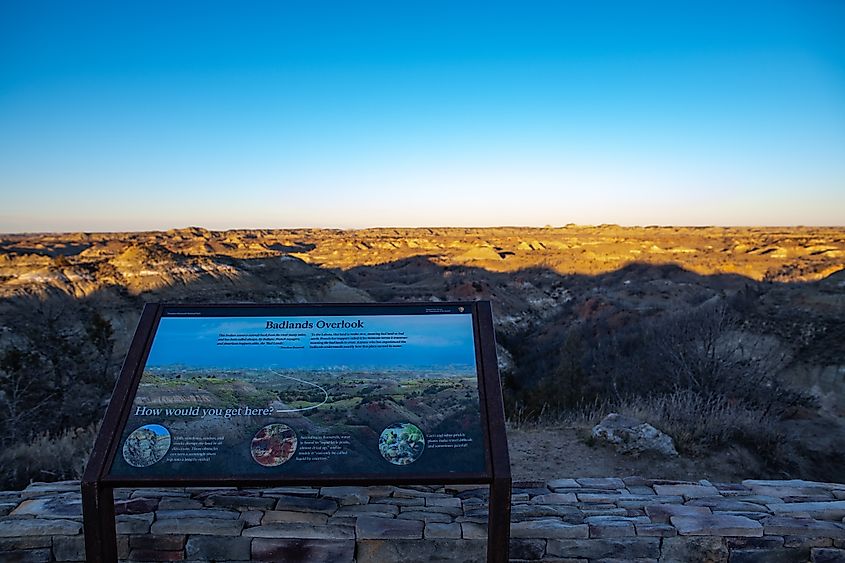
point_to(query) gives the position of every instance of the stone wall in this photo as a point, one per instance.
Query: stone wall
(565, 520)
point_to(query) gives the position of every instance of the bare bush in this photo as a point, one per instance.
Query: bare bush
(706, 350)
(56, 367)
(47, 457)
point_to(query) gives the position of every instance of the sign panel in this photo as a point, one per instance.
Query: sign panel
(269, 392)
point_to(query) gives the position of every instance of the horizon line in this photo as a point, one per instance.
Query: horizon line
(419, 227)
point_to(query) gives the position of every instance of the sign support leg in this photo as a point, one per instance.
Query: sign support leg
(99, 523)
(499, 521)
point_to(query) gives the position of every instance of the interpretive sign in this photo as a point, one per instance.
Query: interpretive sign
(260, 395)
(249, 392)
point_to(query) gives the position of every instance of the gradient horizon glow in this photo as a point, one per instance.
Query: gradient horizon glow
(153, 115)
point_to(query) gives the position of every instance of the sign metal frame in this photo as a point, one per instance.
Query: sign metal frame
(98, 486)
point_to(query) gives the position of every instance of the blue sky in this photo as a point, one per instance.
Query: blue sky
(152, 115)
(432, 341)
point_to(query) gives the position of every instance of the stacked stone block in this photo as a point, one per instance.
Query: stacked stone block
(564, 520)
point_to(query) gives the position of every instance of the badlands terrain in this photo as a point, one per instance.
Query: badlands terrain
(731, 340)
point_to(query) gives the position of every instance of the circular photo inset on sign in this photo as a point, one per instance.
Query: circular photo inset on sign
(273, 445)
(146, 445)
(401, 443)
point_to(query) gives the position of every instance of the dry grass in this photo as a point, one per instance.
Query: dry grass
(47, 458)
(697, 423)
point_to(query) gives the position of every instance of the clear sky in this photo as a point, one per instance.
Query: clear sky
(152, 115)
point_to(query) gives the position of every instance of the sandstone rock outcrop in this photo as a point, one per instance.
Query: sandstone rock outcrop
(633, 437)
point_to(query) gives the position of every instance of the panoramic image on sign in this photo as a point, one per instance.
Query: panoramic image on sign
(259, 395)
